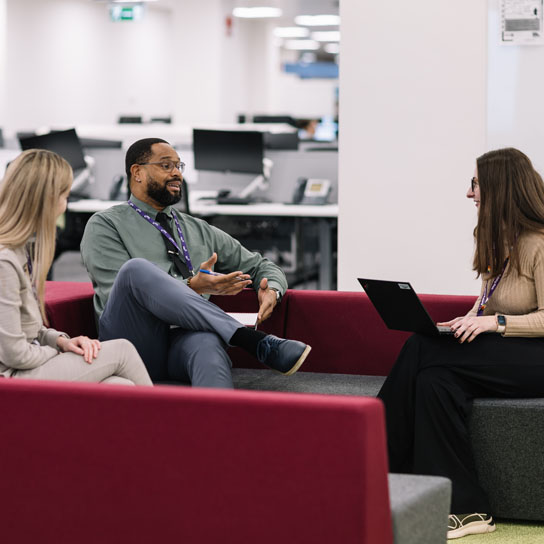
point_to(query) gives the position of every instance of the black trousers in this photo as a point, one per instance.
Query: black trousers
(428, 398)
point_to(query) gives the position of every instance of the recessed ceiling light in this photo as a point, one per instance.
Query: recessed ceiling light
(332, 48)
(326, 36)
(256, 12)
(317, 20)
(302, 45)
(291, 32)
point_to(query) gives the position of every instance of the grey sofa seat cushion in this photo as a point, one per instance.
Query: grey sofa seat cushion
(507, 435)
(508, 442)
(307, 382)
(419, 507)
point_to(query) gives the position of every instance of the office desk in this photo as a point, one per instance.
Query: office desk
(325, 215)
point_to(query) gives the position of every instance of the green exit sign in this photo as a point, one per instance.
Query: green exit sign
(125, 13)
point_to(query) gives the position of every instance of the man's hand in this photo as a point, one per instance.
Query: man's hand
(267, 301)
(467, 328)
(213, 283)
(82, 345)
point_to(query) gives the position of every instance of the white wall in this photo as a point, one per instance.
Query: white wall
(3, 52)
(67, 63)
(413, 120)
(516, 87)
(309, 98)
(198, 34)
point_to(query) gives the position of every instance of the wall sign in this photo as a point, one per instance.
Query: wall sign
(521, 22)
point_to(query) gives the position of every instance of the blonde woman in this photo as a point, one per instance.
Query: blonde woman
(33, 194)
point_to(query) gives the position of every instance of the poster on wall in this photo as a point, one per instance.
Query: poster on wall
(521, 22)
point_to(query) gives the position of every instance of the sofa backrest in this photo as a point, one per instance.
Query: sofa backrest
(346, 333)
(91, 463)
(69, 306)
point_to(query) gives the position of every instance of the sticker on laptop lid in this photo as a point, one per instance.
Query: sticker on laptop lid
(404, 286)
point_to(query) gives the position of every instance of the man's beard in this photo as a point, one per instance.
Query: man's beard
(161, 194)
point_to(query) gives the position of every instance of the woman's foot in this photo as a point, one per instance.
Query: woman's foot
(469, 524)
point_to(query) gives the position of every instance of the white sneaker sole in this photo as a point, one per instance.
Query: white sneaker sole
(298, 364)
(474, 528)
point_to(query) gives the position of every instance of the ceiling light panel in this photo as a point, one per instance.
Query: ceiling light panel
(291, 32)
(317, 20)
(332, 48)
(301, 45)
(257, 12)
(326, 36)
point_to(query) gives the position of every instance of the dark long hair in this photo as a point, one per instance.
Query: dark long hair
(511, 203)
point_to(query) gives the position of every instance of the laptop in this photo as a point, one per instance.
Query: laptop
(400, 307)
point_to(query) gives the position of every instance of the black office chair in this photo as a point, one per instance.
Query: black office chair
(167, 120)
(128, 119)
(287, 119)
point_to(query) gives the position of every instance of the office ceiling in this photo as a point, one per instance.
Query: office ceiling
(290, 8)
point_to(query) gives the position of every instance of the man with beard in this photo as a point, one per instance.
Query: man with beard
(143, 258)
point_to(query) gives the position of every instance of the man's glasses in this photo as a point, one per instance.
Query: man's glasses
(167, 165)
(474, 183)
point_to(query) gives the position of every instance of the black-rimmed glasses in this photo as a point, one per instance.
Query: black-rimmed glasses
(167, 165)
(473, 184)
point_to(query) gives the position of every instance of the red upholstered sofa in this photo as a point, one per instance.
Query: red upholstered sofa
(351, 347)
(263, 467)
(91, 463)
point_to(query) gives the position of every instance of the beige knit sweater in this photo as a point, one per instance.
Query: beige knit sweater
(24, 341)
(520, 297)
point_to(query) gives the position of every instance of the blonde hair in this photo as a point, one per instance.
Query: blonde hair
(29, 199)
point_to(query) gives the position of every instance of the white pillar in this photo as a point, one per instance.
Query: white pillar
(412, 122)
(3, 55)
(197, 60)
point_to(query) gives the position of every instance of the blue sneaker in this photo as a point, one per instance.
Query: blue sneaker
(285, 356)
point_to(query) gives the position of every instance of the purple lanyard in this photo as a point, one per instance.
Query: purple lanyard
(486, 296)
(166, 234)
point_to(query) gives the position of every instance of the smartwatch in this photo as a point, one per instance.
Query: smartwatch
(501, 320)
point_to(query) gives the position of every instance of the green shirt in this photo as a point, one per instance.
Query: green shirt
(118, 234)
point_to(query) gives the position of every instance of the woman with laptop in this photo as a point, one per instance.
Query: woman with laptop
(429, 391)
(33, 195)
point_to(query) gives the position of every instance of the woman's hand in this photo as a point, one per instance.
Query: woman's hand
(467, 328)
(82, 345)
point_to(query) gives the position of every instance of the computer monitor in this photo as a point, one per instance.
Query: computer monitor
(287, 119)
(64, 142)
(238, 151)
